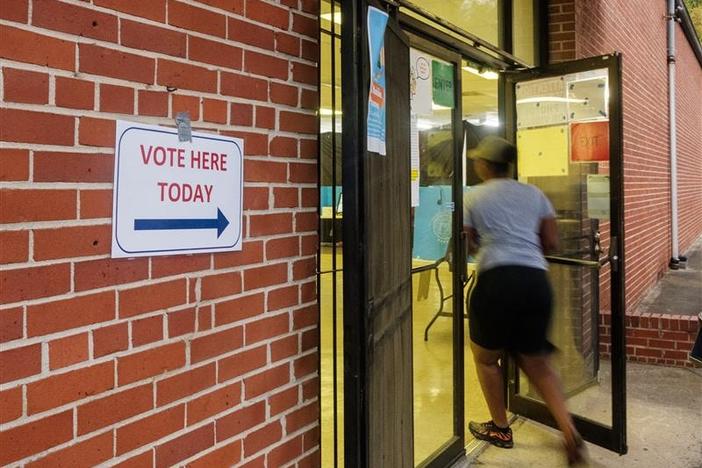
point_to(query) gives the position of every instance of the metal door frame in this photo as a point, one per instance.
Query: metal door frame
(613, 438)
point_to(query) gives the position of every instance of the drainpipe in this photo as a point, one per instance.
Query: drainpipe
(671, 18)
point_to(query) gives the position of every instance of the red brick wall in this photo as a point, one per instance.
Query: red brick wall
(637, 29)
(209, 358)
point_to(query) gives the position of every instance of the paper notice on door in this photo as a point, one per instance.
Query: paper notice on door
(598, 196)
(414, 160)
(420, 82)
(541, 103)
(542, 151)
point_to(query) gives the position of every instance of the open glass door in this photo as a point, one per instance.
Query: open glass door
(566, 122)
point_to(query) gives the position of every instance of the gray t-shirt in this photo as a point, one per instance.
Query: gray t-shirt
(507, 215)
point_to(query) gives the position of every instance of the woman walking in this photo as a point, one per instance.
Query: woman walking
(511, 225)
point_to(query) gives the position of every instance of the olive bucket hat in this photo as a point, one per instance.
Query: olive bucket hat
(494, 149)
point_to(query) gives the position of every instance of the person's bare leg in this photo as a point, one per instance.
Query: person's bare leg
(544, 378)
(491, 382)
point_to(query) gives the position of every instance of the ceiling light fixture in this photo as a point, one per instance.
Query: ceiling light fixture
(328, 17)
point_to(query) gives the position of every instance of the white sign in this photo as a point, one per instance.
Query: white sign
(420, 83)
(173, 197)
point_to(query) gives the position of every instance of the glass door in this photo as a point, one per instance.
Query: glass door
(566, 122)
(436, 144)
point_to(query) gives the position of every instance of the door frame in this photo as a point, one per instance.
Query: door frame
(613, 438)
(453, 449)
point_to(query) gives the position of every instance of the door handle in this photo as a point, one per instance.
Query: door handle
(613, 254)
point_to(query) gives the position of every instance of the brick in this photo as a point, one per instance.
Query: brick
(11, 404)
(305, 25)
(284, 94)
(303, 73)
(19, 363)
(215, 53)
(15, 247)
(287, 44)
(308, 221)
(309, 99)
(176, 265)
(305, 317)
(244, 86)
(283, 147)
(116, 99)
(265, 117)
(25, 86)
(151, 362)
(298, 122)
(302, 417)
(23, 284)
(241, 114)
(98, 60)
(238, 309)
(242, 363)
(95, 204)
(266, 381)
(212, 345)
(196, 19)
(67, 351)
(268, 14)
(110, 339)
(214, 110)
(14, 164)
(72, 19)
(73, 167)
(204, 318)
(190, 104)
(310, 6)
(152, 297)
(309, 243)
(304, 268)
(149, 429)
(29, 47)
(143, 460)
(37, 205)
(228, 455)
(78, 241)
(283, 401)
(143, 36)
(282, 454)
(308, 149)
(11, 324)
(283, 247)
(259, 462)
(256, 198)
(185, 76)
(266, 328)
(36, 127)
(52, 317)
(212, 403)
(89, 452)
(306, 365)
(185, 446)
(154, 103)
(147, 330)
(224, 284)
(264, 276)
(113, 408)
(285, 197)
(96, 132)
(252, 252)
(185, 384)
(71, 386)
(255, 144)
(232, 6)
(311, 438)
(241, 420)
(181, 322)
(251, 34)
(35, 437)
(284, 348)
(270, 224)
(15, 10)
(282, 298)
(266, 65)
(153, 9)
(310, 50)
(109, 272)
(262, 438)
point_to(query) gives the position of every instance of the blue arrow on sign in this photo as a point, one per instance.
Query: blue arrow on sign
(220, 223)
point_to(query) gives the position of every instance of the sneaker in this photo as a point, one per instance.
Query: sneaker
(490, 432)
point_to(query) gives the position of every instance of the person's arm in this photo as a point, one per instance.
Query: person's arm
(548, 233)
(472, 240)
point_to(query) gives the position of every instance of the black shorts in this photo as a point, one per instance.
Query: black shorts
(510, 309)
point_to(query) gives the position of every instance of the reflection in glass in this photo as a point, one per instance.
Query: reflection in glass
(523, 43)
(478, 17)
(550, 156)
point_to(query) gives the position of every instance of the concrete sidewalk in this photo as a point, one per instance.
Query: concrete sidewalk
(664, 420)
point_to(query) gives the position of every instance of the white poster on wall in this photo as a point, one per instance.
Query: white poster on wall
(420, 82)
(175, 197)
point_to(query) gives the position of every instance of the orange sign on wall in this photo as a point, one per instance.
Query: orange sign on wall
(589, 142)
